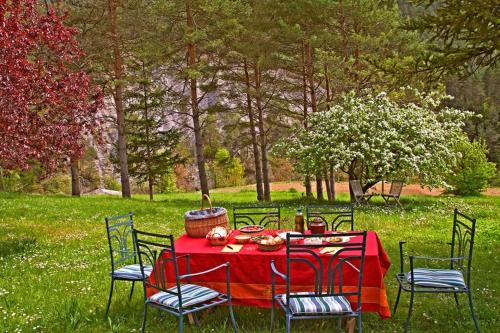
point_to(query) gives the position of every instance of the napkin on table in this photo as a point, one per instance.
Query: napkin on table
(235, 248)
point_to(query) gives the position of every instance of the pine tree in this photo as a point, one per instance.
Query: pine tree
(151, 147)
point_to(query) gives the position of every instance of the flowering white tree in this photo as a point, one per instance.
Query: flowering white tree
(375, 137)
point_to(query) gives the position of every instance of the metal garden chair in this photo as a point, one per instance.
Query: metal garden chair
(359, 196)
(177, 298)
(258, 215)
(394, 193)
(330, 299)
(124, 266)
(339, 214)
(453, 280)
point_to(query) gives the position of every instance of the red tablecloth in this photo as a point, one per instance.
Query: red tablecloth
(251, 272)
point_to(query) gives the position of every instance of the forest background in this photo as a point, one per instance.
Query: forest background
(197, 92)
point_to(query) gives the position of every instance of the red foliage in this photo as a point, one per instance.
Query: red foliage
(46, 103)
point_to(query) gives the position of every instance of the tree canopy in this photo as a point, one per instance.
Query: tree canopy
(375, 137)
(46, 101)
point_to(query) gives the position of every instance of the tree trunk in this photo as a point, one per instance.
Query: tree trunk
(319, 187)
(307, 185)
(262, 133)
(118, 97)
(255, 144)
(195, 111)
(332, 182)
(310, 74)
(327, 87)
(150, 185)
(75, 178)
(147, 130)
(307, 179)
(328, 187)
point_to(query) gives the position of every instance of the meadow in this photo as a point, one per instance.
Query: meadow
(54, 262)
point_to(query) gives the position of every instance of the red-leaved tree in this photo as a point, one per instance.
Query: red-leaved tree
(47, 104)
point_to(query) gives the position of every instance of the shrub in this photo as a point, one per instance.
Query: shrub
(473, 171)
(110, 183)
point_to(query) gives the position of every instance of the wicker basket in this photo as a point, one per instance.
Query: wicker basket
(199, 222)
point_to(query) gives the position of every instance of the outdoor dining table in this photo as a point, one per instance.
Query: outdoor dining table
(251, 272)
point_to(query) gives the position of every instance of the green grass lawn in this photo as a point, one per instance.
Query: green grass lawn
(54, 262)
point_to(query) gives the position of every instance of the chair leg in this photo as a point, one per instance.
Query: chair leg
(143, 328)
(287, 323)
(397, 300)
(233, 319)
(109, 298)
(456, 299)
(476, 324)
(272, 316)
(180, 328)
(410, 309)
(131, 291)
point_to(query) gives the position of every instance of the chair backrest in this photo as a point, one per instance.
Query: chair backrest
(462, 242)
(158, 251)
(396, 188)
(120, 240)
(356, 188)
(339, 214)
(258, 215)
(327, 269)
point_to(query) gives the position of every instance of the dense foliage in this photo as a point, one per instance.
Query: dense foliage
(463, 35)
(472, 171)
(375, 137)
(46, 102)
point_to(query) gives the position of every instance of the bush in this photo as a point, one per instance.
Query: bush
(473, 171)
(58, 183)
(110, 183)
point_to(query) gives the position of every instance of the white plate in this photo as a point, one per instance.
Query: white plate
(282, 235)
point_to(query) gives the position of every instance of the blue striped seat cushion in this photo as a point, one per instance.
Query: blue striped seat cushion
(437, 278)
(314, 304)
(191, 295)
(132, 272)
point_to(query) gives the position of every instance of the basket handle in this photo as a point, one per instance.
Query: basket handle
(205, 196)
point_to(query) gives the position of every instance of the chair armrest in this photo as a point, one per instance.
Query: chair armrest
(275, 271)
(225, 265)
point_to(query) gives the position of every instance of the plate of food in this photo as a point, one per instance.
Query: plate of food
(336, 239)
(251, 229)
(268, 242)
(294, 240)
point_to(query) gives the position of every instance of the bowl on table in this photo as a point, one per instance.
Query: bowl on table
(268, 242)
(242, 239)
(251, 229)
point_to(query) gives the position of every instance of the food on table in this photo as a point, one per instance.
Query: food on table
(267, 240)
(218, 235)
(282, 235)
(313, 241)
(334, 239)
(242, 239)
(251, 229)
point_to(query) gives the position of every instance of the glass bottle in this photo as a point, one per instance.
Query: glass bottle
(299, 221)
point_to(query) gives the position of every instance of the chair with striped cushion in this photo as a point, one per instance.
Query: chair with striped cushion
(329, 299)
(178, 297)
(124, 266)
(453, 280)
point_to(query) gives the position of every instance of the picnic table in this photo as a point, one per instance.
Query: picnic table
(251, 272)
